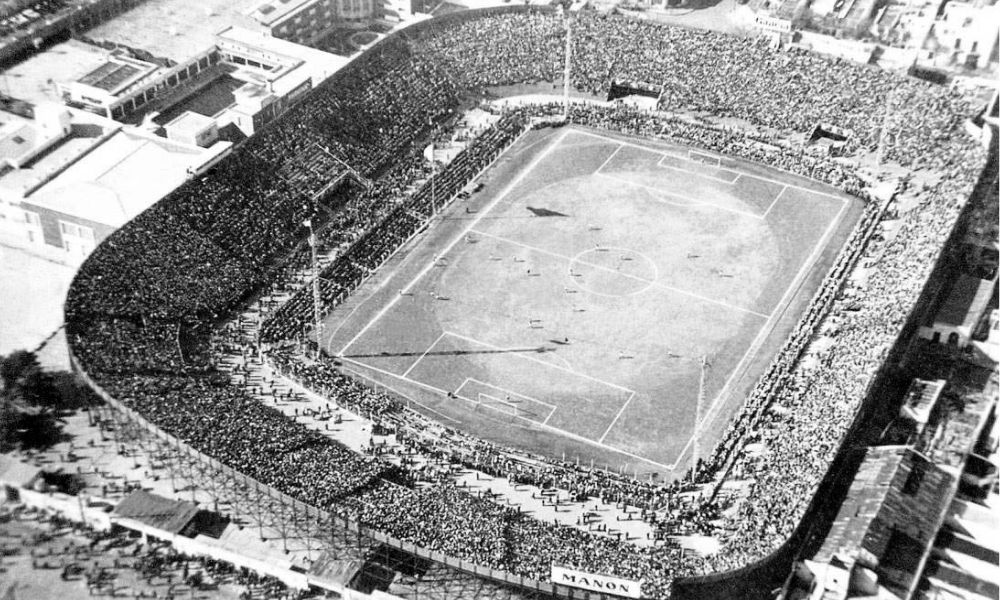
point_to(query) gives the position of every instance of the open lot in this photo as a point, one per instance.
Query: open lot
(584, 300)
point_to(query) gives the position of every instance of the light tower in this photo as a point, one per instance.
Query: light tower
(567, 68)
(317, 304)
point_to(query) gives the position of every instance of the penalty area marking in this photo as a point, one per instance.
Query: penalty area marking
(741, 173)
(664, 155)
(545, 363)
(689, 202)
(377, 384)
(544, 426)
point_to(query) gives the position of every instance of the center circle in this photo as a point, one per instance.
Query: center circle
(612, 271)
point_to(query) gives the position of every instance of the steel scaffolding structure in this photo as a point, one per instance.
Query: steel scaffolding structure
(299, 527)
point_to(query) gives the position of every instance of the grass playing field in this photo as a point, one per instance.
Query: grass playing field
(568, 307)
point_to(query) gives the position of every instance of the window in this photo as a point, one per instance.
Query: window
(31, 218)
(77, 231)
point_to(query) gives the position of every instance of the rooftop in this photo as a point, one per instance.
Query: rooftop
(966, 302)
(156, 511)
(891, 514)
(190, 121)
(34, 78)
(920, 399)
(112, 183)
(271, 11)
(17, 473)
(116, 74)
(175, 29)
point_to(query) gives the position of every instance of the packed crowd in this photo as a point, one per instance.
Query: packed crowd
(194, 257)
(699, 72)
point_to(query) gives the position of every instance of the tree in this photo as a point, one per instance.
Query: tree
(14, 364)
(28, 396)
(24, 380)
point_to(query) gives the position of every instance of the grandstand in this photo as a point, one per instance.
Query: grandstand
(148, 306)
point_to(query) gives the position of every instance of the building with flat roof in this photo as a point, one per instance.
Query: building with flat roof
(961, 311)
(64, 200)
(279, 57)
(22, 139)
(114, 77)
(306, 21)
(193, 129)
(965, 35)
(175, 29)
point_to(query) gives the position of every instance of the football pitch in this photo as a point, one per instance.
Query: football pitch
(596, 298)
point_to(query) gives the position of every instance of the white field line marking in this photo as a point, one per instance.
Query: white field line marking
(510, 405)
(766, 329)
(688, 201)
(608, 159)
(617, 416)
(544, 425)
(485, 399)
(528, 147)
(775, 201)
(376, 384)
(626, 275)
(399, 248)
(660, 164)
(545, 363)
(421, 357)
(692, 153)
(583, 144)
(562, 432)
(509, 392)
(460, 394)
(767, 179)
(482, 213)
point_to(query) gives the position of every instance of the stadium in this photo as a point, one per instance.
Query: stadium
(614, 301)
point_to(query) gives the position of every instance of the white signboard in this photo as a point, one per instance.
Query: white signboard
(596, 583)
(773, 24)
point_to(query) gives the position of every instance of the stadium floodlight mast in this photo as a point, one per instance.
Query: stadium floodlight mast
(567, 68)
(884, 128)
(317, 309)
(698, 416)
